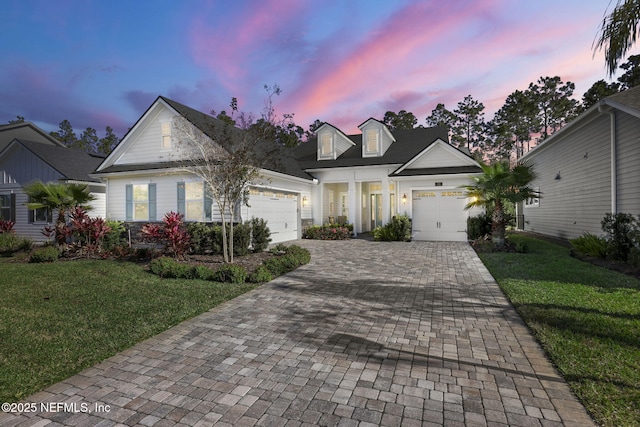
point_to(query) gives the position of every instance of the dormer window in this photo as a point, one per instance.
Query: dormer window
(372, 141)
(326, 148)
(166, 135)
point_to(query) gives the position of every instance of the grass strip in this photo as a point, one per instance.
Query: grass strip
(587, 318)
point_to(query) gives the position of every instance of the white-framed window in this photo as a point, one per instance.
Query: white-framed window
(326, 144)
(43, 215)
(373, 142)
(533, 202)
(140, 202)
(166, 135)
(7, 212)
(344, 204)
(194, 201)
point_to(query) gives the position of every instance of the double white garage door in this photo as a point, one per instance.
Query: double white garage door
(439, 215)
(280, 210)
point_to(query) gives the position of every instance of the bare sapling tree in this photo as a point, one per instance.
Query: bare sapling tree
(225, 161)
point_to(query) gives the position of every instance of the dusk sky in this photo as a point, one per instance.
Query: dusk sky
(99, 63)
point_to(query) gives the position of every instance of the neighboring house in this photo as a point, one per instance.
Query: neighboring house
(587, 169)
(28, 154)
(331, 178)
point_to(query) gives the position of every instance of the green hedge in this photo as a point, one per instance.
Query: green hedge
(285, 259)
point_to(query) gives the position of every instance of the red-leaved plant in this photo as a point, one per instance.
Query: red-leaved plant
(172, 232)
(6, 226)
(88, 232)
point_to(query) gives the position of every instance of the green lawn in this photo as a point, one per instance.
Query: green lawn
(58, 319)
(587, 318)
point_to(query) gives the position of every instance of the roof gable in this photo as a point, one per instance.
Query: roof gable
(26, 131)
(64, 163)
(439, 156)
(140, 147)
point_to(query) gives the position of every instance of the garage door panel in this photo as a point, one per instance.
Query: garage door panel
(281, 214)
(439, 215)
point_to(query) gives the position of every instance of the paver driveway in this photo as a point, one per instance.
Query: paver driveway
(368, 333)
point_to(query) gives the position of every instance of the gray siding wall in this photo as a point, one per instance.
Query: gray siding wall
(628, 157)
(21, 166)
(577, 202)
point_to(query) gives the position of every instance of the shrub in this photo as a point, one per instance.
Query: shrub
(327, 232)
(261, 275)
(479, 226)
(621, 229)
(260, 234)
(165, 267)
(399, 230)
(201, 237)
(241, 239)
(10, 243)
(201, 272)
(116, 238)
(45, 254)
(590, 244)
(288, 259)
(230, 273)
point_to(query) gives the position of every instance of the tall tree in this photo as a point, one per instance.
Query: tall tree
(440, 116)
(599, 90)
(513, 124)
(224, 160)
(60, 197)
(631, 76)
(108, 143)
(469, 124)
(497, 184)
(18, 119)
(88, 141)
(401, 120)
(618, 32)
(555, 106)
(65, 134)
(313, 127)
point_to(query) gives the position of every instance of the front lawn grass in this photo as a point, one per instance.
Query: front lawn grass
(60, 318)
(586, 317)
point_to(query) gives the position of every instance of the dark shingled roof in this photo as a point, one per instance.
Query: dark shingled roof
(408, 144)
(628, 98)
(275, 157)
(72, 164)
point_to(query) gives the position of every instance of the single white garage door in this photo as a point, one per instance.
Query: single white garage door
(280, 210)
(439, 215)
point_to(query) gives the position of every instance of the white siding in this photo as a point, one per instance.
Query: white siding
(439, 156)
(577, 202)
(148, 140)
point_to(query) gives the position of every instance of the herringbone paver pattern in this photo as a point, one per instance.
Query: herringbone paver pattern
(397, 334)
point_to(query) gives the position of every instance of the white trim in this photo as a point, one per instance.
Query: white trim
(438, 142)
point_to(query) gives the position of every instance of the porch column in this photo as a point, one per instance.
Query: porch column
(386, 202)
(353, 206)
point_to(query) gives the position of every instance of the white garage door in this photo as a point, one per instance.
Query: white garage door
(439, 215)
(280, 210)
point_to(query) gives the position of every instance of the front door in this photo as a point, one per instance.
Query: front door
(376, 210)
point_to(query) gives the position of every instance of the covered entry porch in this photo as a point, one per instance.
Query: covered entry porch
(366, 204)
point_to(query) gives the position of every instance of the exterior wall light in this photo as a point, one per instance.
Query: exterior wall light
(305, 201)
(404, 199)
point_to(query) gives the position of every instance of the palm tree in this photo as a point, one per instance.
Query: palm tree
(497, 184)
(60, 197)
(618, 32)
